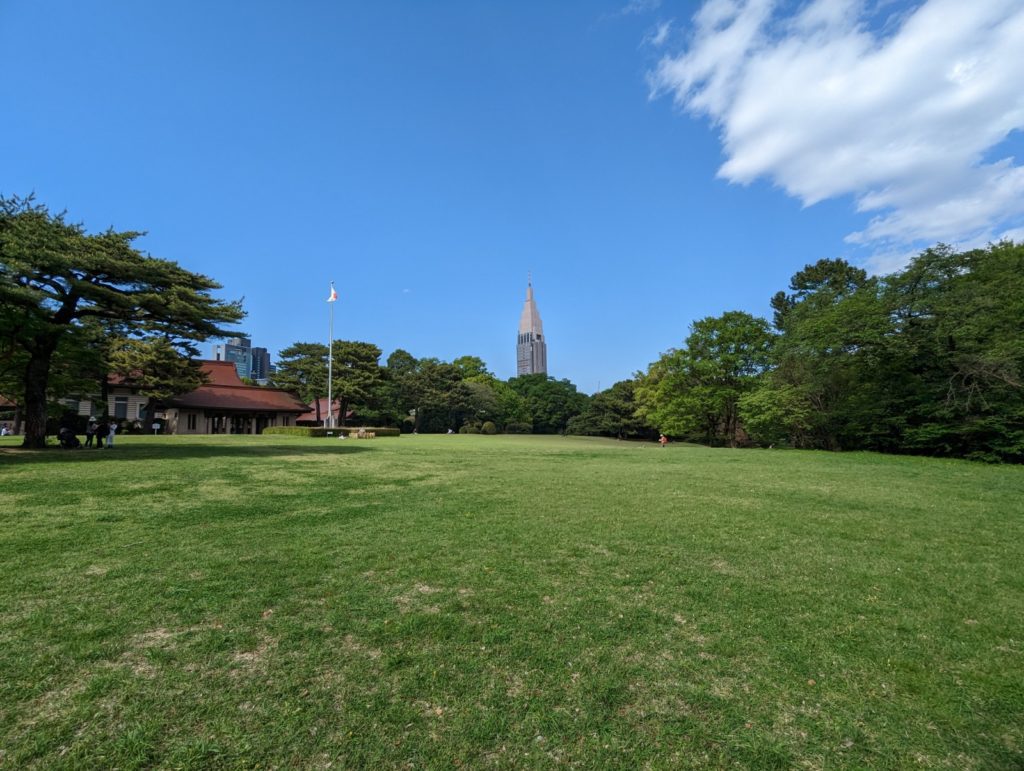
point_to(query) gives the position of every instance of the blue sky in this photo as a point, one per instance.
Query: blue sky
(650, 163)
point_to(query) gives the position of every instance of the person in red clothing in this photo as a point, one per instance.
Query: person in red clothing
(662, 440)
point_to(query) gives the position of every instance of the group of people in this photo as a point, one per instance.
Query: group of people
(104, 430)
(100, 432)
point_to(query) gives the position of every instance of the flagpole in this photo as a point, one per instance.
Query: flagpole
(329, 423)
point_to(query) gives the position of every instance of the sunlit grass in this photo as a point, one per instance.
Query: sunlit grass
(506, 601)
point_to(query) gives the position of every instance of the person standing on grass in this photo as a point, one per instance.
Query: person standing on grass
(90, 431)
(110, 434)
(662, 440)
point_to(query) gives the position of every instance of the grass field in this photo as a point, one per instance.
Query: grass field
(436, 602)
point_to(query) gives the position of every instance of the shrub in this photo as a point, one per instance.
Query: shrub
(518, 428)
(470, 428)
(488, 428)
(296, 430)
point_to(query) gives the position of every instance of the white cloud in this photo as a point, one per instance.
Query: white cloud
(634, 7)
(905, 114)
(660, 34)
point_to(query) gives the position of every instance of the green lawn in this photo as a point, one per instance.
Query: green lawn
(443, 601)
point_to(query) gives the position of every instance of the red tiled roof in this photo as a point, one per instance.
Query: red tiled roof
(226, 392)
(218, 373)
(221, 373)
(240, 398)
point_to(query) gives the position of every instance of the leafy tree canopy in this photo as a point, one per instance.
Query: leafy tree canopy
(54, 276)
(694, 391)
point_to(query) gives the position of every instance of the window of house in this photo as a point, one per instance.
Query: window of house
(121, 407)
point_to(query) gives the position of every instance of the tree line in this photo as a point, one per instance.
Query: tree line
(426, 395)
(928, 360)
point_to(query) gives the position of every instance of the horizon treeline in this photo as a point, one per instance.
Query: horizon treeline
(928, 360)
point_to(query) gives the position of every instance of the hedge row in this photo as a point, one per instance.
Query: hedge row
(321, 431)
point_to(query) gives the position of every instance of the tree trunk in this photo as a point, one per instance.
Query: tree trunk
(37, 377)
(18, 417)
(343, 412)
(105, 397)
(147, 426)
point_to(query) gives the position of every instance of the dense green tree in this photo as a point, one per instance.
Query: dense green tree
(826, 279)
(776, 412)
(513, 409)
(472, 367)
(396, 390)
(356, 373)
(695, 391)
(401, 362)
(929, 359)
(156, 367)
(822, 390)
(477, 403)
(612, 412)
(302, 369)
(53, 275)
(551, 403)
(955, 367)
(436, 395)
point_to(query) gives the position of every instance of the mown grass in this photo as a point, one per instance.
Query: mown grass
(433, 602)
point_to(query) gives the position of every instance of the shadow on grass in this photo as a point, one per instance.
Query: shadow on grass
(154, 451)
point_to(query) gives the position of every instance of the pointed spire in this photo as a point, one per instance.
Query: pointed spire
(530, 321)
(531, 348)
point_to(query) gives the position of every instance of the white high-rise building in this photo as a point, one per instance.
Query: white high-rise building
(237, 350)
(531, 349)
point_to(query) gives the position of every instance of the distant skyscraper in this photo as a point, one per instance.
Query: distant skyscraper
(238, 351)
(260, 365)
(531, 350)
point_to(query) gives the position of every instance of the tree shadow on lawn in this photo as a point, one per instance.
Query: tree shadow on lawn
(129, 451)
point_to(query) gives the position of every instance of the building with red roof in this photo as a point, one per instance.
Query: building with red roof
(224, 405)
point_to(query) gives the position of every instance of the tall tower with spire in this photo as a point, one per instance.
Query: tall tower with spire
(531, 350)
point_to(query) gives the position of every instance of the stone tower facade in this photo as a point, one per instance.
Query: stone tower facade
(531, 348)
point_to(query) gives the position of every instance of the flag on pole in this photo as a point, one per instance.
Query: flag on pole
(334, 294)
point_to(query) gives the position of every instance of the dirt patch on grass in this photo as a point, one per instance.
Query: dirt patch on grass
(136, 657)
(414, 599)
(55, 704)
(352, 645)
(254, 661)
